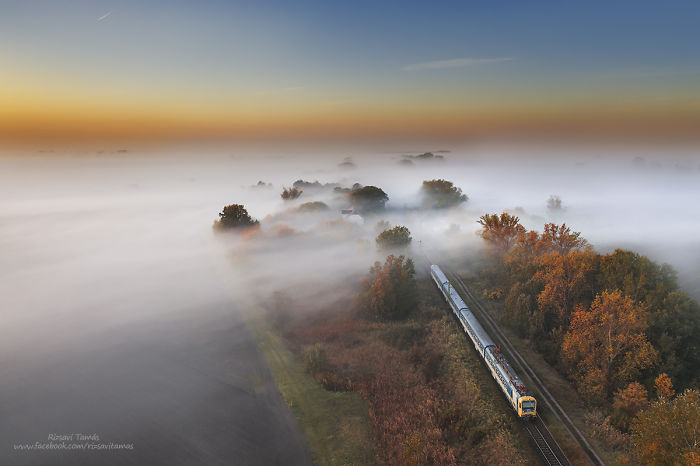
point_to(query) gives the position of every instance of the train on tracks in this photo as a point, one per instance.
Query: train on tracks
(524, 404)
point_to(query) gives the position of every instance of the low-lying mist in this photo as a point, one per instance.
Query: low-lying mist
(103, 251)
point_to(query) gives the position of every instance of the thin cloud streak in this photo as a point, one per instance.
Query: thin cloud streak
(105, 16)
(454, 63)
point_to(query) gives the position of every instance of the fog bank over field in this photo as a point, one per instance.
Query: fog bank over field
(114, 286)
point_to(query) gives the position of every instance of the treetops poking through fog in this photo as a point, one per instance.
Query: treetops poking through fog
(441, 194)
(389, 290)
(368, 199)
(501, 231)
(315, 206)
(289, 194)
(234, 216)
(554, 203)
(396, 237)
(347, 163)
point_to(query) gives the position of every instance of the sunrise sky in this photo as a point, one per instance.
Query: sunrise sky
(318, 69)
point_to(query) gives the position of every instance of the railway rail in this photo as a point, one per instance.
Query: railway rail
(546, 448)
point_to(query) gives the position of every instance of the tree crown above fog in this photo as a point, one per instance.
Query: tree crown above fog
(396, 237)
(234, 216)
(289, 194)
(368, 199)
(441, 194)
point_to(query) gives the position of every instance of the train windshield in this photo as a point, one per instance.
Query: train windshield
(528, 406)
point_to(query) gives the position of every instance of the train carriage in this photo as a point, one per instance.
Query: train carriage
(524, 404)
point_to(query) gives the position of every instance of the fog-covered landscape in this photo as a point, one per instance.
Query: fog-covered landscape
(109, 260)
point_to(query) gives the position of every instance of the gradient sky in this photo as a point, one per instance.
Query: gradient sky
(213, 68)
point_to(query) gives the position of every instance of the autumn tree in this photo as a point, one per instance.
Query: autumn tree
(673, 317)
(501, 231)
(441, 194)
(663, 386)
(368, 199)
(396, 237)
(606, 345)
(669, 431)
(389, 290)
(289, 194)
(568, 281)
(234, 216)
(561, 239)
(627, 403)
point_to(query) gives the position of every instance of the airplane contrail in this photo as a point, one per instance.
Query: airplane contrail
(104, 16)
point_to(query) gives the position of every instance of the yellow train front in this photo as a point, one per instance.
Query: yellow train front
(527, 407)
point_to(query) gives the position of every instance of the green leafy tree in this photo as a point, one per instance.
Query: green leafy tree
(394, 238)
(441, 194)
(234, 216)
(368, 199)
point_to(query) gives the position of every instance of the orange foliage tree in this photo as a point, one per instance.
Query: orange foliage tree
(568, 281)
(606, 345)
(663, 386)
(669, 431)
(627, 403)
(561, 239)
(501, 231)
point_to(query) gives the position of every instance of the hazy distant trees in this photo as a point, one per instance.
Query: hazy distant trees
(441, 194)
(234, 216)
(292, 193)
(347, 163)
(554, 203)
(396, 237)
(315, 206)
(389, 289)
(368, 199)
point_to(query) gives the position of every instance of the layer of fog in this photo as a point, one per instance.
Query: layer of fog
(97, 247)
(82, 235)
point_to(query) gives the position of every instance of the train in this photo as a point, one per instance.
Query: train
(524, 404)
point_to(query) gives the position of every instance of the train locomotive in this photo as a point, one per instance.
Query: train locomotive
(523, 402)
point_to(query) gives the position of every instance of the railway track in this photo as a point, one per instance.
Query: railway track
(538, 431)
(546, 448)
